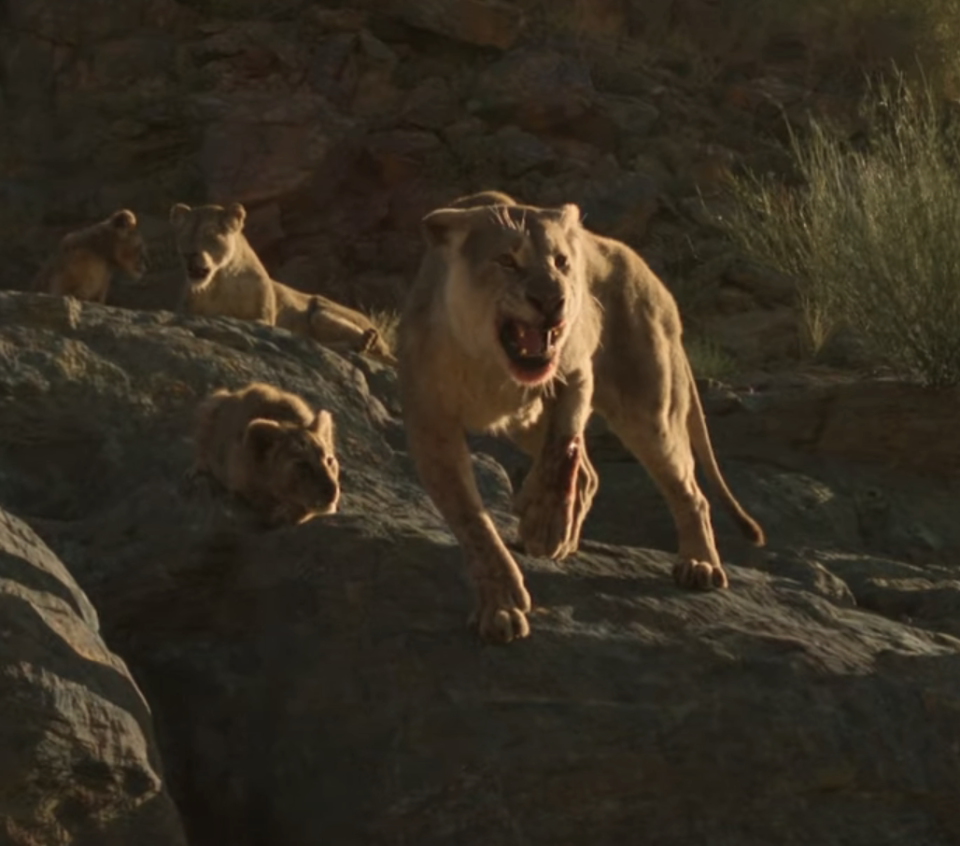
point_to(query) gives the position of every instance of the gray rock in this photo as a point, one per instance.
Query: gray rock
(317, 684)
(79, 761)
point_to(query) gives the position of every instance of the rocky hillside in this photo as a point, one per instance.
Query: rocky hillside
(171, 673)
(318, 684)
(340, 125)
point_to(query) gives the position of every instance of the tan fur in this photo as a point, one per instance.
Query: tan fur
(223, 277)
(86, 260)
(328, 323)
(620, 354)
(269, 448)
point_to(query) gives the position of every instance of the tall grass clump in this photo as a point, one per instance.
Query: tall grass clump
(872, 235)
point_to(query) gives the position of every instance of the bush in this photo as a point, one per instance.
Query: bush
(873, 235)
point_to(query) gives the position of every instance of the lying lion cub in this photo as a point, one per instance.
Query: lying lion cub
(269, 448)
(86, 260)
(521, 322)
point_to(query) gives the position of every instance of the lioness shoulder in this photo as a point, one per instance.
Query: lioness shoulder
(85, 260)
(223, 276)
(268, 447)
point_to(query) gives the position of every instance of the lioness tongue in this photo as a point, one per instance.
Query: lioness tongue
(529, 340)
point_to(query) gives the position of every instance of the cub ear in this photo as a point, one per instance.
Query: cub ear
(123, 219)
(178, 212)
(260, 435)
(441, 226)
(234, 216)
(322, 426)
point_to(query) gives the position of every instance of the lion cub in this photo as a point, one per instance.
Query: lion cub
(224, 276)
(85, 261)
(269, 448)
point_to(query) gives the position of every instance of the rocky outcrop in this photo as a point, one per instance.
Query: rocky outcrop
(318, 684)
(340, 126)
(79, 763)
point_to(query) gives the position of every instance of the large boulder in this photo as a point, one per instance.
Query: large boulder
(318, 684)
(79, 763)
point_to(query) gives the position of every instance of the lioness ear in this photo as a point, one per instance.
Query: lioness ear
(178, 211)
(440, 225)
(123, 219)
(233, 217)
(322, 426)
(260, 435)
(569, 215)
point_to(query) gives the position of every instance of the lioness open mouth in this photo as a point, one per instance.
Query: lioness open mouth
(531, 350)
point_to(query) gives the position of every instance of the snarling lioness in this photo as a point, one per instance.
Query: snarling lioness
(521, 322)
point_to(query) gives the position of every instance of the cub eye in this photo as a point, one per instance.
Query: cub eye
(330, 461)
(561, 262)
(508, 262)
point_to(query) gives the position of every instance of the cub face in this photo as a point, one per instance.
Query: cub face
(129, 250)
(297, 465)
(515, 282)
(206, 238)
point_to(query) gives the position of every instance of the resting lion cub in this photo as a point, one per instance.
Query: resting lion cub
(269, 448)
(85, 261)
(224, 277)
(521, 322)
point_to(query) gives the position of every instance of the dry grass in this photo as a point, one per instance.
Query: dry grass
(872, 234)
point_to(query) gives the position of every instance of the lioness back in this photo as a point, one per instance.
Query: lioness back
(268, 447)
(86, 260)
(223, 277)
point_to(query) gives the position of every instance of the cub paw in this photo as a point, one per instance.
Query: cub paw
(699, 575)
(501, 612)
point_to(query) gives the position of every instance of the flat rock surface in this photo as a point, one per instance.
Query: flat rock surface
(318, 684)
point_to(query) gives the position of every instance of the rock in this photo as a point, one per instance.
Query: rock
(80, 763)
(535, 89)
(759, 338)
(484, 23)
(257, 148)
(751, 714)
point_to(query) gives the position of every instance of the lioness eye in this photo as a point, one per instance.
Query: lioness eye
(508, 261)
(560, 261)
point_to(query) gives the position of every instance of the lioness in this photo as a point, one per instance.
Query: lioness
(520, 322)
(224, 276)
(269, 448)
(85, 261)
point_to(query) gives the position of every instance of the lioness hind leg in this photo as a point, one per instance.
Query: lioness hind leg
(665, 452)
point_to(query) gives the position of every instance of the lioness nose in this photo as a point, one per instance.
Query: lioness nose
(549, 305)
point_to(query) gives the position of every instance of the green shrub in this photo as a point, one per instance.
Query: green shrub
(708, 359)
(872, 236)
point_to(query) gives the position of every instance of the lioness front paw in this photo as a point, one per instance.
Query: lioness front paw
(699, 575)
(501, 612)
(555, 500)
(546, 525)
